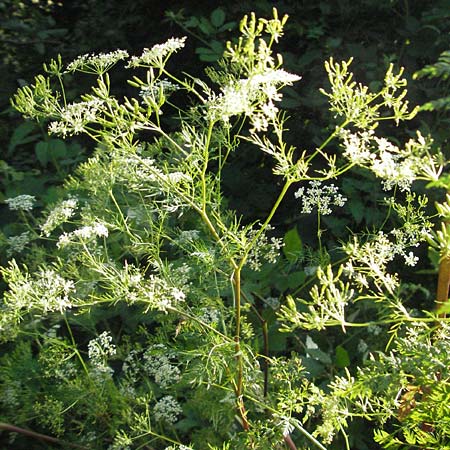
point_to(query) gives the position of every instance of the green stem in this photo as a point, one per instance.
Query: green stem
(265, 333)
(63, 91)
(205, 164)
(200, 322)
(319, 233)
(309, 436)
(328, 140)
(280, 198)
(237, 340)
(74, 346)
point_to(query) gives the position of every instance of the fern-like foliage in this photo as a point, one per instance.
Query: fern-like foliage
(440, 69)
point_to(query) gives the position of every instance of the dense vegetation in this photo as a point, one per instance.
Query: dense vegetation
(237, 238)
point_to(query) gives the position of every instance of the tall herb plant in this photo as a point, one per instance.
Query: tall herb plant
(132, 312)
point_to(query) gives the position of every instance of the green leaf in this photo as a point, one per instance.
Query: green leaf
(357, 209)
(42, 153)
(292, 245)
(51, 150)
(206, 27)
(218, 17)
(313, 350)
(296, 279)
(342, 357)
(22, 135)
(207, 54)
(217, 46)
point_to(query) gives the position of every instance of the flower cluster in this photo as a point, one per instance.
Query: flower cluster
(157, 55)
(58, 215)
(153, 94)
(97, 63)
(395, 166)
(16, 244)
(46, 292)
(264, 250)
(158, 362)
(357, 104)
(37, 101)
(368, 262)
(188, 236)
(143, 174)
(209, 315)
(121, 441)
(254, 96)
(320, 197)
(75, 116)
(178, 447)
(55, 358)
(10, 394)
(86, 233)
(53, 291)
(167, 409)
(99, 350)
(370, 259)
(22, 202)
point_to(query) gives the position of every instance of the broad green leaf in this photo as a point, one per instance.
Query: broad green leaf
(218, 17)
(22, 135)
(342, 357)
(42, 153)
(292, 245)
(51, 150)
(295, 279)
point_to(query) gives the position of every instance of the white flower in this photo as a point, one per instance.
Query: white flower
(320, 197)
(167, 409)
(188, 236)
(157, 54)
(99, 350)
(277, 76)
(16, 244)
(63, 240)
(153, 91)
(101, 346)
(209, 315)
(272, 302)
(59, 214)
(96, 63)
(178, 295)
(259, 122)
(86, 233)
(55, 291)
(253, 96)
(75, 116)
(46, 292)
(395, 166)
(410, 259)
(158, 363)
(357, 146)
(100, 230)
(269, 110)
(21, 202)
(177, 177)
(264, 249)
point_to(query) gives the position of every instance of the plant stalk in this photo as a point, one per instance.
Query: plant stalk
(39, 436)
